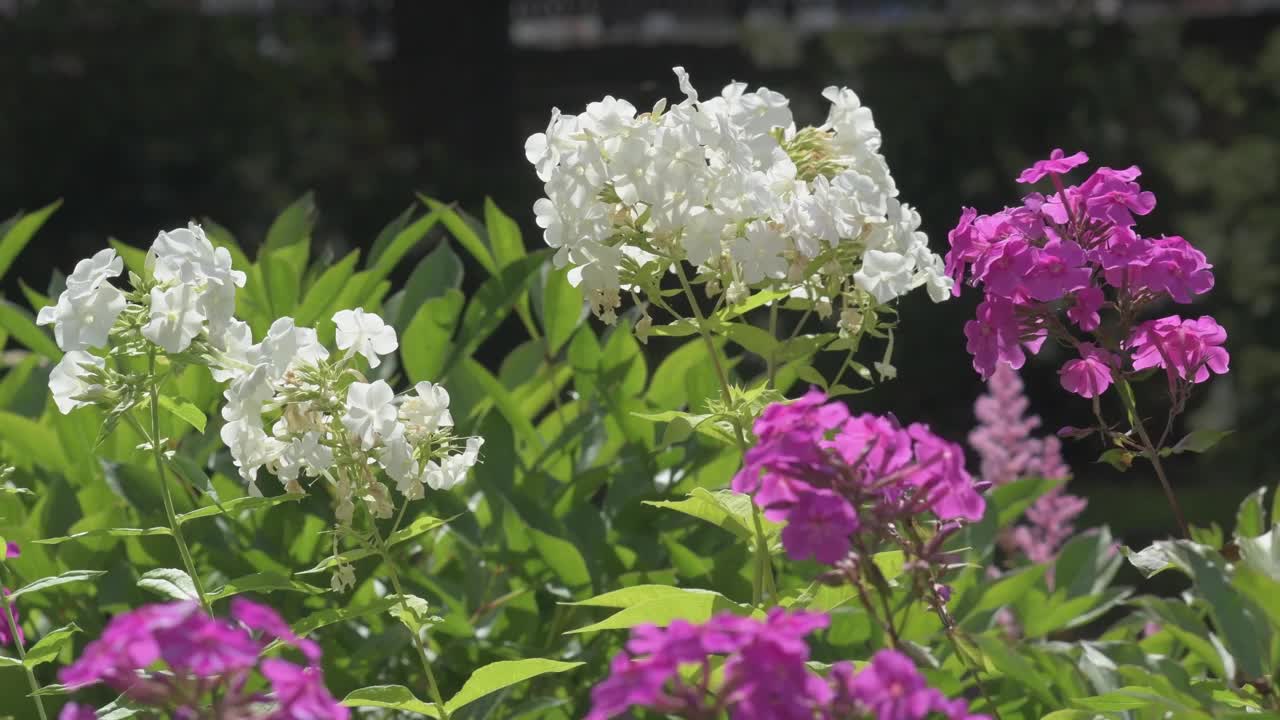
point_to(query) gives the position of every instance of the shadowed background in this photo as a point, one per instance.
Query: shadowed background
(144, 114)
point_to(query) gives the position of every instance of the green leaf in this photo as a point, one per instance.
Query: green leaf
(66, 578)
(413, 612)
(474, 374)
(400, 245)
(1000, 658)
(1251, 519)
(438, 273)
(634, 595)
(390, 697)
(6, 661)
(420, 525)
(493, 302)
(562, 557)
(263, 582)
(169, 582)
(333, 616)
(1117, 458)
(504, 235)
(21, 327)
(32, 440)
(185, 411)
(292, 226)
(693, 605)
(464, 233)
(726, 509)
(50, 645)
(1198, 441)
(19, 231)
(562, 308)
(751, 338)
(35, 299)
(326, 287)
(237, 505)
(426, 346)
(504, 673)
(105, 532)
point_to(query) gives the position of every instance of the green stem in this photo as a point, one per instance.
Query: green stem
(22, 655)
(1153, 455)
(394, 576)
(165, 493)
(762, 571)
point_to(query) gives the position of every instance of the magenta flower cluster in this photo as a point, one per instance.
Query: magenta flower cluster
(175, 657)
(830, 474)
(1008, 450)
(11, 550)
(764, 675)
(1076, 253)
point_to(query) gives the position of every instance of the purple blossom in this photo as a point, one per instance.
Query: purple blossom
(11, 550)
(1058, 163)
(764, 672)
(207, 654)
(76, 711)
(299, 693)
(1066, 252)
(828, 475)
(819, 525)
(891, 688)
(1089, 375)
(1186, 349)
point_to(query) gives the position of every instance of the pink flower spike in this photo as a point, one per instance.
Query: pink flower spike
(1058, 163)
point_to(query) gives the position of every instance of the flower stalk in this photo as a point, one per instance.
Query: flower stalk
(7, 609)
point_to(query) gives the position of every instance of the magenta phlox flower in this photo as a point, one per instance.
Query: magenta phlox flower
(299, 693)
(790, 447)
(1188, 349)
(1173, 267)
(1085, 307)
(159, 655)
(265, 620)
(11, 550)
(1059, 269)
(994, 337)
(1112, 196)
(1090, 374)
(819, 525)
(76, 711)
(764, 672)
(891, 688)
(1058, 163)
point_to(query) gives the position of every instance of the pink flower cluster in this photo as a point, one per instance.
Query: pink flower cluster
(829, 474)
(1008, 451)
(1075, 251)
(764, 675)
(6, 635)
(206, 665)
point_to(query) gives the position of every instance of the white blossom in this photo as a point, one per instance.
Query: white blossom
(450, 471)
(175, 318)
(366, 334)
(67, 380)
(251, 448)
(83, 319)
(371, 413)
(427, 410)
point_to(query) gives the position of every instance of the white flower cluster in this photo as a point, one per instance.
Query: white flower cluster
(291, 407)
(190, 293)
(732, 186)
(325, 420)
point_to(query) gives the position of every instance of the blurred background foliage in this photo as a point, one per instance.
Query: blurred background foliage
(143, 114)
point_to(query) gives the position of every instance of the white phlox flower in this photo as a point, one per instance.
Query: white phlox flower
(175, 318)
(371, 415)
(729, 184)
(70, 380)
(366, 334)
